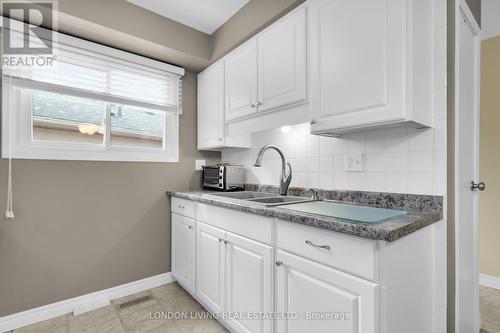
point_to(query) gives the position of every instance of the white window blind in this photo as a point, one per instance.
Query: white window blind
(90, 70)
(93, 103)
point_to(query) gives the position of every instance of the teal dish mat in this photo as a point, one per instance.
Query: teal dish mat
(345, 211)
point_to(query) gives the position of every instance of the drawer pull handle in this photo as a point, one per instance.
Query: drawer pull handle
(326, 247)
(279, 263)
(181, 207)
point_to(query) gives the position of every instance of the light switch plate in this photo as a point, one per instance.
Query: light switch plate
(199, 164)
(355, 162)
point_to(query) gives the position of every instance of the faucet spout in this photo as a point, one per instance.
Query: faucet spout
(285, 177)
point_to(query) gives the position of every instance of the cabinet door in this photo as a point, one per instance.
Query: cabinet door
(357, 54)
(183, 251)
(249, 282)
(241, 81)
(210, 264)
(282, 63)
(211, 106)
(304, 287)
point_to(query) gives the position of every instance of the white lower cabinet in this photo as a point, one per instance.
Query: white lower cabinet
(249, 283)
(323, 299)
(234, 276)
(183, 251)
(250, 268)
(210, 266)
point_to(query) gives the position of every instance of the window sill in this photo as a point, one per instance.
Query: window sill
(121, 155)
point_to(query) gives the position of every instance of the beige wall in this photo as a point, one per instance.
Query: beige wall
(490, 157)
(249, 20)
(166, 39)
(120, 24)
(86, 226)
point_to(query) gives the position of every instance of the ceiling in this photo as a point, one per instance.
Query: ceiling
(202, 15)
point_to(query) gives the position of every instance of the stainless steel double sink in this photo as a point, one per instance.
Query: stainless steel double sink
(262, 198)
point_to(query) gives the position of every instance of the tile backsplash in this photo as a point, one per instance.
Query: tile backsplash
(402, 159)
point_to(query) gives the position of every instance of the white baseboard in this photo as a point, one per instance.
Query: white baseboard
(489, 281)
(81, 304)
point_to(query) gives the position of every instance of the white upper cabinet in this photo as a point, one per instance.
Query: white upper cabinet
(371, 64)
(211, 117)
(241, 81)
(282, 63)
(211, 106)
(266, 78)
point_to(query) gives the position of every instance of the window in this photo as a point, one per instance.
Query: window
(93, 103)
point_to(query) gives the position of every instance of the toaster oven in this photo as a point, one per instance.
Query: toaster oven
(223, 177)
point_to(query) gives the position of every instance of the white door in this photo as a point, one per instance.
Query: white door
(249, 282)
(211, 106)
(282, 63)
(210, 268)
(241, 81)
(466, 164)
(357, 55)
(306, 287)
(183, 251)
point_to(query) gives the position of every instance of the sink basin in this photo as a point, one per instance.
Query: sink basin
(244, 195)
(262, 198)
(279, 200)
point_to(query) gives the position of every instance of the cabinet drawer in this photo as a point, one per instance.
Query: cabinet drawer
(245, 224)
(184, 207)
(346, 253)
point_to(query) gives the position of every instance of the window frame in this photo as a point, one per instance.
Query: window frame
(24, 147)
(17, 115)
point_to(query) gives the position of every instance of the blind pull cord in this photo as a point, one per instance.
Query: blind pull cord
(9, 211)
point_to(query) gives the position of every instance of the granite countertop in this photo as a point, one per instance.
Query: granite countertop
(422, 210)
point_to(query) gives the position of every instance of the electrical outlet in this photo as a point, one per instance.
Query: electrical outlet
(199, 164)
(354, 162)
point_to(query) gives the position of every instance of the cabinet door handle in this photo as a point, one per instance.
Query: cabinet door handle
(259, 103)
(226, 241)
(326, 247)
(190, 227)
(220, 240)
(279, 263)
(312, 122)
(181, 207)
(252, 105)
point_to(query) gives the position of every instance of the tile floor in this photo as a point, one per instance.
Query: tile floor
(172, 298)
(490, 310)
(137, 318)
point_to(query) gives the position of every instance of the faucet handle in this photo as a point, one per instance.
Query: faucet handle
(314, 193)
(286, 179)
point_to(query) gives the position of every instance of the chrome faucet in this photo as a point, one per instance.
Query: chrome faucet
(285, 177)
(314, 193)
